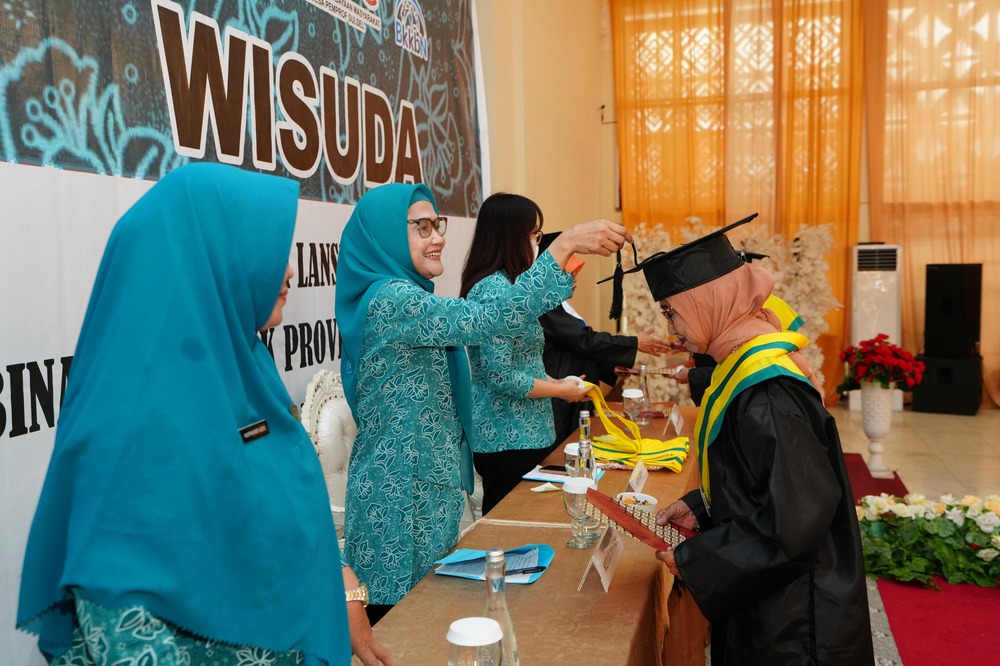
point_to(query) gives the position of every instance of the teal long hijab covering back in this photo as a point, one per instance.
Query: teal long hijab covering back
(152, 497)
(373, 250)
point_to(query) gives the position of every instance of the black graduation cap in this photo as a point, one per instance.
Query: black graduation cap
(691, 264)
(547, 239)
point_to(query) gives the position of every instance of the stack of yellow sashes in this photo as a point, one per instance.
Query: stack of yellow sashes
(631, 447)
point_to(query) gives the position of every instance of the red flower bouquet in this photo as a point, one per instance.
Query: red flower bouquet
(879, 361)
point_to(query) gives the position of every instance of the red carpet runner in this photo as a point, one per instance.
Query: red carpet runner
(954, 625)
(862, 483)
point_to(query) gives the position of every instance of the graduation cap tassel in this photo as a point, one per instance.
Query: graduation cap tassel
(616, 293)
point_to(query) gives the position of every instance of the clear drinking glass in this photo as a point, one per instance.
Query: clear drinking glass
(571, 458)
(575, 501)
(632, 402)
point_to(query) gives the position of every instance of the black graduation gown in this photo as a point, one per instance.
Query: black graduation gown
(778, 567)
(573, 348)
(700, 376)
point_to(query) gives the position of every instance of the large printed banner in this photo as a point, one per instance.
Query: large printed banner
(101, 98)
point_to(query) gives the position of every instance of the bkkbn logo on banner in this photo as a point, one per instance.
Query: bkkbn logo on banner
(410, 30)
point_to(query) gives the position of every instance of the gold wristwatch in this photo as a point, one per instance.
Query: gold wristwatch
(360, 593)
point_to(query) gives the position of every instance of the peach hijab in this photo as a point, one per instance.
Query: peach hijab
(726, 312)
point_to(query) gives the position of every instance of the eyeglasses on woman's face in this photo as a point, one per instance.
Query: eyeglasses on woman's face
(426, 224)
(536, 236)
(667, 311)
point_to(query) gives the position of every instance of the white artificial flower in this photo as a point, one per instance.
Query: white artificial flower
(987, 522)
(956, 516)
(932, 510)
(974, 510)
(948, 499)
(969, 500)
(986, 554)
(879, 504)
(902, 510)
(995, 540)
(915, 499)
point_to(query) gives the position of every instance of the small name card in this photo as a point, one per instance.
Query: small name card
(676, 420)
(638, 478)
(605, 559)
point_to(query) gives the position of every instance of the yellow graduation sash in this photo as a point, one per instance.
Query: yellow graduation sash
(789, 318)
(629, 448)
(760, 359)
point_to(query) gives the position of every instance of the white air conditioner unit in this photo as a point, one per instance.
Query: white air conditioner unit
(876, 296)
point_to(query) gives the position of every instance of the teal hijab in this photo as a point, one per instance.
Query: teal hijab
(373, 250)
(153, 497)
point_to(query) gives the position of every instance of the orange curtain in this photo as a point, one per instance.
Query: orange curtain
(934, 144)
(731, 106)
(670, 108)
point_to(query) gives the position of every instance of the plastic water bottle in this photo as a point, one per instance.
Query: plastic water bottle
(586, 449)
(474, 641)
(496, 605)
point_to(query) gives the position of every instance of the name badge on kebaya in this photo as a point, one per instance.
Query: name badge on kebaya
(254, 431)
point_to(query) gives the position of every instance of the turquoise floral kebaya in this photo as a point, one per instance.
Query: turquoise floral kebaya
(504, 371)
(404, 492)
(404, 485)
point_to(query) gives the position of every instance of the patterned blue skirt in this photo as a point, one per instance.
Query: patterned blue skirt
(135, 637)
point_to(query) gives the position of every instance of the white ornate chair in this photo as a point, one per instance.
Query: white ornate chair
(327, 418)
(473, 505)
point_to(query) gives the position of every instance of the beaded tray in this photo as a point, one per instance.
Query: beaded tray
(635, 522)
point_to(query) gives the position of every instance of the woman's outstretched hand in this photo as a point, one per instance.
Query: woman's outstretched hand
(571, 391)
(595, 237)
(650, 344)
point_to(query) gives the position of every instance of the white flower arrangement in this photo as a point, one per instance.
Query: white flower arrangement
(913, 538)
(799, 267)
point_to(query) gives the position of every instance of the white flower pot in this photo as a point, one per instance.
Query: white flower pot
(876, 415)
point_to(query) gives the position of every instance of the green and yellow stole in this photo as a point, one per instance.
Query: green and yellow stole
(758, 360)
(789, 318)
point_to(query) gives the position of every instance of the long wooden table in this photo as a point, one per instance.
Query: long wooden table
(643, 619)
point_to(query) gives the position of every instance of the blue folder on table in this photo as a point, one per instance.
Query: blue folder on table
(471, 564)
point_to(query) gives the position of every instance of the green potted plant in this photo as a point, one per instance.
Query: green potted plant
(914, 538)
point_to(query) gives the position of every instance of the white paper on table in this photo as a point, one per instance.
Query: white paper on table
(538, 474)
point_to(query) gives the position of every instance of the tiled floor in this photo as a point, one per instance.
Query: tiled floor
(934, 454)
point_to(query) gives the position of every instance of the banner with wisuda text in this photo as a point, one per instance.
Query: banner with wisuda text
(101, 98)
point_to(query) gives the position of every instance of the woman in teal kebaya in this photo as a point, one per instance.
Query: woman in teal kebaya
(184, 514)
(512, 407)
(407, 381)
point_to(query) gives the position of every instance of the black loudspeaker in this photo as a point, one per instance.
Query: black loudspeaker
(950, 386)
(952, 310)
